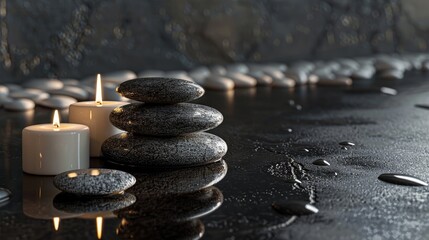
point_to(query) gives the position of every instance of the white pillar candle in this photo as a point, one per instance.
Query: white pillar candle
(95, 115)
(50, 149)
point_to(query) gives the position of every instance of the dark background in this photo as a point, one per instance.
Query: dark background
(76, 38)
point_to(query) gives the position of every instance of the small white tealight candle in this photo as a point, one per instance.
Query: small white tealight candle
(95, 115)
(50, 149)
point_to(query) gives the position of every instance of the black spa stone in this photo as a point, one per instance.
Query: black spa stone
(165, 120)
(160, 90)
(94, 182)
(161, 152)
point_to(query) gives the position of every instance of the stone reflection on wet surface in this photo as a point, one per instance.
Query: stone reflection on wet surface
(173, 216)
(179, 181)
(291, 207)
(401, 179)
(77, 204)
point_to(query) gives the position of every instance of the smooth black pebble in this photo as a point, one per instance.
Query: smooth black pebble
(321, 162)
(401, 179)
(347, 143)
(292, 207)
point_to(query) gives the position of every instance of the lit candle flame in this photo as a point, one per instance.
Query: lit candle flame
(56, 120)
(56, 223)
(99, 227)
(98, 91)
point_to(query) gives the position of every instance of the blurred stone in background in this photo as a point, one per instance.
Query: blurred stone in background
(77, 38)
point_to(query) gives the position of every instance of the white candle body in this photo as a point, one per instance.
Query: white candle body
(96, 117)
(47, 150)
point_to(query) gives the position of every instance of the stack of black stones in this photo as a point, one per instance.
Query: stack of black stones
(164, 131)
(174, 161)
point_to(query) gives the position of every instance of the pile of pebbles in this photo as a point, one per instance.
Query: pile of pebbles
(165, 131)
(60, 93)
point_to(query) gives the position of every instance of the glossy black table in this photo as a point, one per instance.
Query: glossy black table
(272, 144)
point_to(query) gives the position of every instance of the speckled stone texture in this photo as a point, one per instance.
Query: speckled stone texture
(160, 90)
(173, 207)
(76, 204)
(94, 182)
(181, 151)
(178, 181)
(165, 120)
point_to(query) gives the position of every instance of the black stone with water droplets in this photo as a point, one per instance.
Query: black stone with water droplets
(291, 207)
(182, 151)
(160, 90)
(401, 179)
(165, 120)
(94, 182)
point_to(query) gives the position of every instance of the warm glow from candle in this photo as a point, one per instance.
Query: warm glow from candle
(99, 227)
(56, 223)
(56, 120)
(95, 172)
(98, 97)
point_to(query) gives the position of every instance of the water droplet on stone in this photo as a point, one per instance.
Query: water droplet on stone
(5, 195)
(321, 162)
(305, 150)
(291, 207)
(401, 179)
(344, 148)
(347, 143)
(289, 130)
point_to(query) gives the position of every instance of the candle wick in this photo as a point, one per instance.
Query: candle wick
(56, 125)
(99, 103)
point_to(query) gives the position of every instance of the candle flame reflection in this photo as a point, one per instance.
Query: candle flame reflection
(99, 221)
(56, 120)
(56, 223)
(98, 93)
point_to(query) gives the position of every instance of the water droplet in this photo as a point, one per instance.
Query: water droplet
(388, 91)
(291, 102)
(305, 150)
(401, 179)
(344, 148)
(298, 107)
(5, 195)
(289, 130)
(347, 143)
(291, 207)
(321, 162)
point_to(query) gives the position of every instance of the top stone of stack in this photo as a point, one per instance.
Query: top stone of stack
(160, 90)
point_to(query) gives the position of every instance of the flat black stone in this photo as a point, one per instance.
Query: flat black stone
(165, 120)
(94, 181)
(156, 152)
(160, 90)
(76, 204)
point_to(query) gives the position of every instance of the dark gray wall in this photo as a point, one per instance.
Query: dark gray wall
(76, 38)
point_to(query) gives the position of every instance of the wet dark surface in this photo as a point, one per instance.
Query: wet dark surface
(267, 163)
